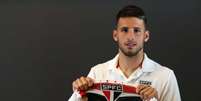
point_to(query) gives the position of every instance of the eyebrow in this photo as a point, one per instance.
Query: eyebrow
(129, 28)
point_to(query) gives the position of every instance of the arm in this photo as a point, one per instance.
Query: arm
(171, 89)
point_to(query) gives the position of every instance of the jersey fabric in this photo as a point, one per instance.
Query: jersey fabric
(150, 73)
(111, 91)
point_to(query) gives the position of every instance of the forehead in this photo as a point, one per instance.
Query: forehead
(130, 22)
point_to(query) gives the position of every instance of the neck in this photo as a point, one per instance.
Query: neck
(129, 64)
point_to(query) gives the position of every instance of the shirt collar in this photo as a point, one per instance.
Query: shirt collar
(147, 64)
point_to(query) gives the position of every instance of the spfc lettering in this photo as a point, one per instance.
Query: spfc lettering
(113, 87)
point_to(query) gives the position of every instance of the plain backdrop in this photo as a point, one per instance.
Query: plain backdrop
(46, 44)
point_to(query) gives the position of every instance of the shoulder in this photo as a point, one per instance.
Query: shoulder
(100, 71)
(161, 71)
(106, 65)
(162, 68)
(164, 80)
(102, 66)
(155, 69)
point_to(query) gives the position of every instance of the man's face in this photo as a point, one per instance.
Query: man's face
(130, 35)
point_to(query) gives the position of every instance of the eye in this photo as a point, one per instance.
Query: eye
(136, 30)
(124, 29)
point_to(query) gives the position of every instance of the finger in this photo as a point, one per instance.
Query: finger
(90, 81)
(144, 92)
(153, 94)
(140, 88)
(79, 83)
(84, 83)
(147, 94)
(74, 85)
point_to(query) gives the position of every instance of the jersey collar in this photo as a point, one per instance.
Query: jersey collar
(147, 64)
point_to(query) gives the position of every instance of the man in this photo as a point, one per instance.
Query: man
(131, 65)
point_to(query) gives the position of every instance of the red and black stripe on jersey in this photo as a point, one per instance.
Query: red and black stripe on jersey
(111, 92)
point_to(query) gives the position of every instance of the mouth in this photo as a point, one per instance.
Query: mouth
(130, 45)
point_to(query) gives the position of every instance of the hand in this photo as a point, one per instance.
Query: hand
(146, 92)
(82, 83)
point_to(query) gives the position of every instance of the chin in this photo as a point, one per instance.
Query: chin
(131, 54)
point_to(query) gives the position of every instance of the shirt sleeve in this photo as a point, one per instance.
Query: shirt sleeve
(171, 89)
(76, 96)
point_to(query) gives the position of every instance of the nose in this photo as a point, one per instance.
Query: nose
(130, 35)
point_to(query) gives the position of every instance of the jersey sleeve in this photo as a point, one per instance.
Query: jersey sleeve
(171, 89)
(91, 74)
(75, 97)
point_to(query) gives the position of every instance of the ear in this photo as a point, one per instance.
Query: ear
(146, 36)
(114, 34)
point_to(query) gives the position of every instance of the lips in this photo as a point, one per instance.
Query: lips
(130, 45)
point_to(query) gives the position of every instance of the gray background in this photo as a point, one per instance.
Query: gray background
(46, 44)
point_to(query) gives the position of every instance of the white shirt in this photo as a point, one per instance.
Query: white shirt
(159, 77)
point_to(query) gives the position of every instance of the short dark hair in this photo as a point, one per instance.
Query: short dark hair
(131, 11)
